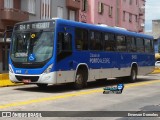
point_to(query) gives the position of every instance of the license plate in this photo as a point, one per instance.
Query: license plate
(26, 80)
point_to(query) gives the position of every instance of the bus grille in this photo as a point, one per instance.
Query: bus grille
(32, 78)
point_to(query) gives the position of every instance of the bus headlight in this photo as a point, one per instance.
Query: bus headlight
(10, 69)
(48, 70)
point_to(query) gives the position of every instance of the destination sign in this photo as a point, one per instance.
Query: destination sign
(35, 25)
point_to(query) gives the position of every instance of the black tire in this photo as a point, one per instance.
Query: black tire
(42, 86)
(80, 80)
(133, 76)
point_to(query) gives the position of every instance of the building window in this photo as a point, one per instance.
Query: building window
(117, 16)
(100, 7)
(124, 15)
(60, 12)
(32, 6)
(8, 3)
(130, 2)
(136, 19)
(136, 2)
(72, 15)
(130, 17)
(84, 5)
(110, 11)
(45, 9)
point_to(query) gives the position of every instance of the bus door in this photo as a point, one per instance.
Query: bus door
(64, 65)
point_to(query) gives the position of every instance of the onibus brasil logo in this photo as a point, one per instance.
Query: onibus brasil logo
(113, 89)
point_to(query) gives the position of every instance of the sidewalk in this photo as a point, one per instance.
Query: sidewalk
(4, 80)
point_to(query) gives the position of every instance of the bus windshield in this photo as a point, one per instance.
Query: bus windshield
(32, 46)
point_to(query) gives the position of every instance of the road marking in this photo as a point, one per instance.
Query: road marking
(71, 95)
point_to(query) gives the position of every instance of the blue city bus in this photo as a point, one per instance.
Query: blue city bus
(60, 51)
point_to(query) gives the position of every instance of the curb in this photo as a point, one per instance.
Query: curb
(4, 81)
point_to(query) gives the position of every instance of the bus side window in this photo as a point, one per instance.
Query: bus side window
(96, 41)
(148, 46)
(121, 43)
(140, 45)
(64, 42)
(131, 44)
(109, 42)
(81, 38)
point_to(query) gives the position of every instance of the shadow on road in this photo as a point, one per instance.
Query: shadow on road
(69, 88)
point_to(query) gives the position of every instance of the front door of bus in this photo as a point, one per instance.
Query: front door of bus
(64, 54)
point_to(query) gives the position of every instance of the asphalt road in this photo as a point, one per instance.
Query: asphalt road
(144, 95)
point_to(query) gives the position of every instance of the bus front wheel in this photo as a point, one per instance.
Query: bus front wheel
(80, 80)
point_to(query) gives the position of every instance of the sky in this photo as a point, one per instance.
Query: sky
(152, 9)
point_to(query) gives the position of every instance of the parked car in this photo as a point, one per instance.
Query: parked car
(157, 64)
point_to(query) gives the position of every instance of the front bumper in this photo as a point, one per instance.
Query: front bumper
(49, 78)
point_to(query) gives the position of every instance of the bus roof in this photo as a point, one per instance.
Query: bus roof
(103, 28)
(94, 27)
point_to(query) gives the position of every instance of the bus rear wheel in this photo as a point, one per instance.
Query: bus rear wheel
(133, 76)
(80, 80)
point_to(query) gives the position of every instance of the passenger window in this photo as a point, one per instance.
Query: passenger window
(64, 42)
(148, 46)
(109, 42)
(95, 41)
(140, 44)
(121, 43)
(81, 39)
(131, 44)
